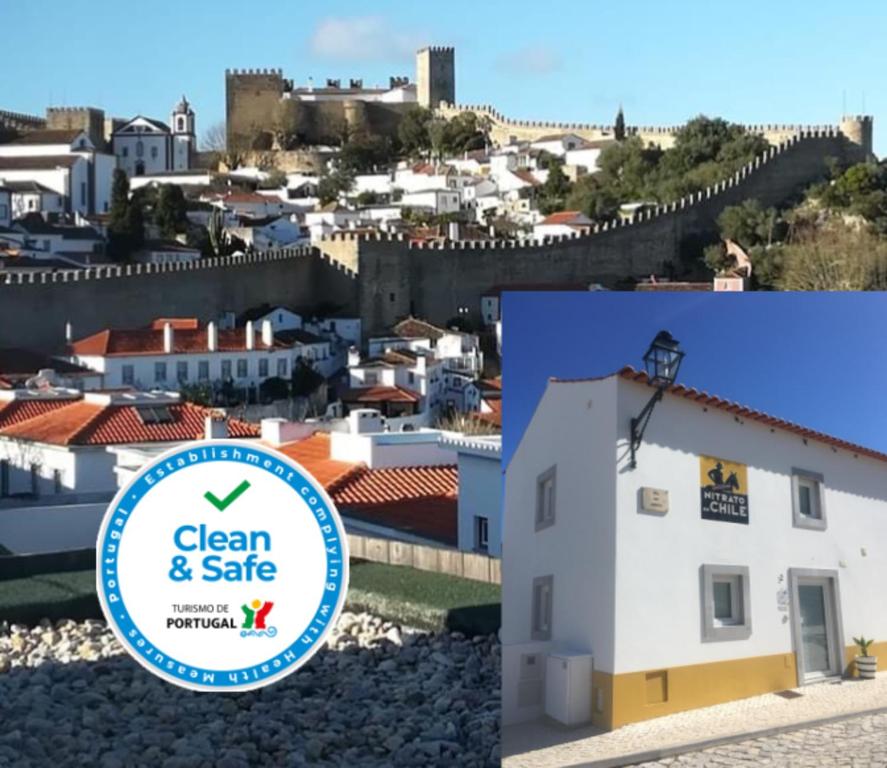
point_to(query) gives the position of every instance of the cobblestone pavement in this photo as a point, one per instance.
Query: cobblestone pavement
(860, 742)
(545, 744)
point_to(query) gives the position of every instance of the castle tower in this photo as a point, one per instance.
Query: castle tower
(858, 129)
(435, 76)
(183, 136)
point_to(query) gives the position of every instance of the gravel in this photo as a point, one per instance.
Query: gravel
(376, 695)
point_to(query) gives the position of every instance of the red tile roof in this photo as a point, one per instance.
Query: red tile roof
(15, 411)
(88, 423)
(149, 341)
(418, 500)
(414, 328)
(527, 178)
(381, 395)
(178, 323)
(742, 411)
(568, 217)
(248, 197)
(313, 453)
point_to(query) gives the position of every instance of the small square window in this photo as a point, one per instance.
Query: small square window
(546, 485)
(725, 602)
(481, 533)
(808, 508)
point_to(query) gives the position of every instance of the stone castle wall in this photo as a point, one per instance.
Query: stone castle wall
(34, 307)
(397, 277)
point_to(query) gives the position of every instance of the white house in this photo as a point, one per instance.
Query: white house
(438, 201)
(176, 351)
(563, 224)
(64, 161)
(253, 205)
(45, 239)
(457, 350)
(166, 252)
(558, 144)
(423, 176)
(30, 197)
(56, 442)
(739, 555)
(145, 146)
(480, 492)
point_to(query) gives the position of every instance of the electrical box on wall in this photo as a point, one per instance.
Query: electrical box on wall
(654, 500)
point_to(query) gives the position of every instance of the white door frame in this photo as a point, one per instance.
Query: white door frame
(834, 621)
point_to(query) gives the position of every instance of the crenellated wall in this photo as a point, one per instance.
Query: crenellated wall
(385, 277)
(34, 307)
(398, 277)
(858, 128)
(21, 122)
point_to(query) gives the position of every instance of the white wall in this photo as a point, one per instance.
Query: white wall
(856, 513)
(391, 449)
(26, 530)
(480, 493)
(84, 469)
(579, 549)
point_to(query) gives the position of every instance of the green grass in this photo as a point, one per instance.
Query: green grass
(420, 599)
(425, 600)
(55, 596)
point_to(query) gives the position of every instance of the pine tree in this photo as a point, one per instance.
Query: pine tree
(619, 127)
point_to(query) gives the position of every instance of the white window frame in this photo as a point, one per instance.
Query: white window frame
(738, 626)
(546, 510)
(814, 481)
(541, 607)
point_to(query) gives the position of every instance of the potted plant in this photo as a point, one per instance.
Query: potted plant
(866, 666)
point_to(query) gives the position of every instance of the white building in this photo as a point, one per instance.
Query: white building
(418, 372)
(173, 352)
(558, 144)
(480, 492)
(739, 556)
(145, 146)
(438, 201)
(64, 161)
(457, 350)
(56, 442)
(30, 197)
(563, 224)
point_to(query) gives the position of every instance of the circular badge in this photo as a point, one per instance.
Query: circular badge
(222, 565)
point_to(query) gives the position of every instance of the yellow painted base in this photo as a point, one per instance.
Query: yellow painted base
(629, 698)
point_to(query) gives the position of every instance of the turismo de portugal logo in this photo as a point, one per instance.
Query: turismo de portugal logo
(222, 566)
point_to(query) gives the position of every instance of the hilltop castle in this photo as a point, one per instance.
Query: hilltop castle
(265, 111)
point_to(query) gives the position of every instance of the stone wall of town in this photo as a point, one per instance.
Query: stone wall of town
(34, 307)
(432, 280)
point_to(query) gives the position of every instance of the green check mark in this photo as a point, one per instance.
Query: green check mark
(223, 504)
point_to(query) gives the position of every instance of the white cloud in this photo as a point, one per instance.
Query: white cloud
(530, 60)
(363, 38)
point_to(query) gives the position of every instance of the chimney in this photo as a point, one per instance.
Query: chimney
(215, 428)
(353, 357)
(267, 333)
(167, 338)
(212, 336)
(250, 335)
(69, 333)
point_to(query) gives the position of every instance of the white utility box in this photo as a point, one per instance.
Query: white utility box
(568, 687)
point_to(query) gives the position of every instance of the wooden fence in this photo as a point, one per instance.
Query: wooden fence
(468, 565)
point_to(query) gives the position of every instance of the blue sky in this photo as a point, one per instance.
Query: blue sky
(817, 359)
(572, 60)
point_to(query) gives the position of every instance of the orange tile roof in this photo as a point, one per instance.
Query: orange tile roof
(419, 500)
(494, 415)
(86, 423)
(149, 341)
(179, 323)
(743, 411)
(15, 411)
(313, 453)
(567, 217)
(380, 395)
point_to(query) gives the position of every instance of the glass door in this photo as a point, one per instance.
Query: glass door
(818, 633)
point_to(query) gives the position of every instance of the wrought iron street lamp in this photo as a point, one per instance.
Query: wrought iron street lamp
(662, 361)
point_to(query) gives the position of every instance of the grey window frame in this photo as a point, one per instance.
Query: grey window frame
(242, 365)
(160, 366)
(182, 371)
(805, 521)
(128, 373)
(263, 364)
(712, 631)
(282, 368)
(542, 522)
(203, 370)
(226, 369)
(537, 630)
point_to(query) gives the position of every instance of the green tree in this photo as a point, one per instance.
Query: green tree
(554, 192)
(619, 126)
(413, 132)
(332, 184)
(749, 224)
(170, 210)
(125, 225)
(595, 198)
(364, 153)
(304, 379)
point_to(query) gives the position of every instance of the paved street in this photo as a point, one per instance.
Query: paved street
(860, 742)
